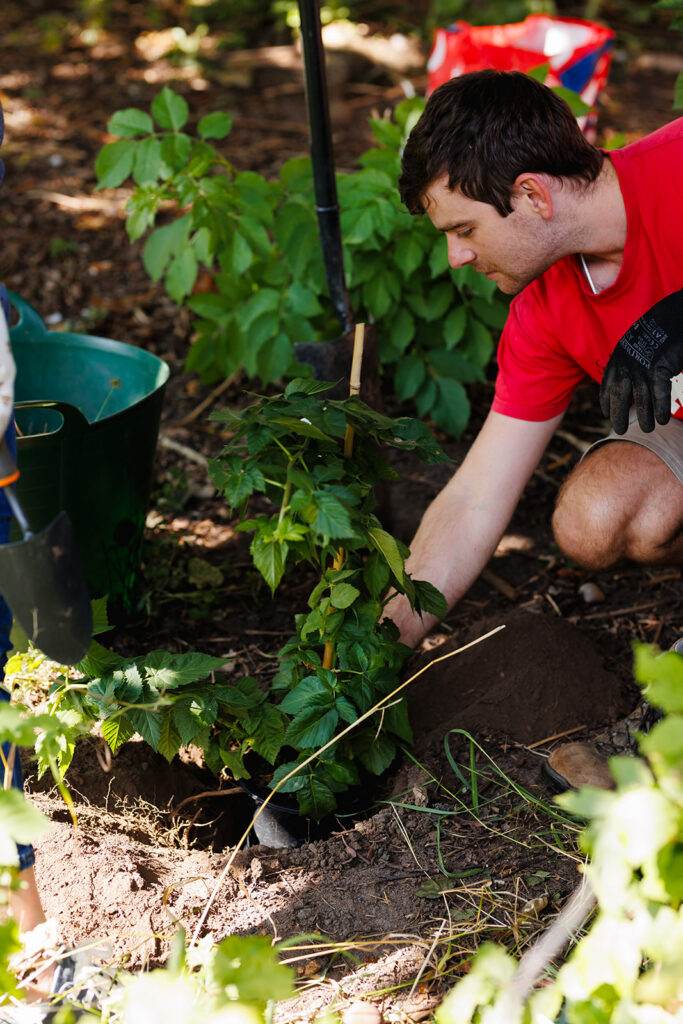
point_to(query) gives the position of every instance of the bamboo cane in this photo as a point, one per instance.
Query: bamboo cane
(354, 389)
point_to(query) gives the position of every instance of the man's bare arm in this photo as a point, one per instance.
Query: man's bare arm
(463, 525)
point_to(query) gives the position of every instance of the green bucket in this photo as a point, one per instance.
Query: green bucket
(87, 413)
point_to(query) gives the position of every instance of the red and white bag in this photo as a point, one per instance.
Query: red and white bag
(579, 53)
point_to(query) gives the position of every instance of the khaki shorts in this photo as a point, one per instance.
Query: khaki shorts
(666, 442)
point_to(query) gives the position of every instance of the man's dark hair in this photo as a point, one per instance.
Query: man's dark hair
(486, 128)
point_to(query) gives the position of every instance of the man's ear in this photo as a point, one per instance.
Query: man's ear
(533, 191)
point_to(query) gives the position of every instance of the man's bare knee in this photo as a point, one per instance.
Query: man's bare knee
(588, 523)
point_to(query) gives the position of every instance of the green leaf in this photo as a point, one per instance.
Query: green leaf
(376, 575)
(662, 676)
(274, 358)
(375, 752)
(164, 243)
(166, 671)
(246, 968)
(429, 599)
(234, 762)
(453, 364)
(409, 377)
(313, 726)
(408, 254)
(169, 110)
(331, 518)
(265, 300)
(388, 548)
(572, 99)
(298, 698)
(270, 733)
(316, 799)
(169, 740)
(148, 724)
(114, 163)
(215, 125)
(452, 408)
(241, 256)
(454, 326)
(402, 329)
(678, 92)
(117, 731)
(269, 557)
(438, 259)
(303, 300)
(148, 162)
(129, 123)
(343, 595)
(175, 150)
(181, 274)
(20, 821)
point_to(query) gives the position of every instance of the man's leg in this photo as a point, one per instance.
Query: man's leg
(621, 502)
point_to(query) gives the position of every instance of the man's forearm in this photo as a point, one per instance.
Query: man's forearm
(463, 525)
(454, 542)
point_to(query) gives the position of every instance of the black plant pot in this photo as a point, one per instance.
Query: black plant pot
(282, 824)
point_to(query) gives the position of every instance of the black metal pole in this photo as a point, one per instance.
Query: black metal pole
(322, 156)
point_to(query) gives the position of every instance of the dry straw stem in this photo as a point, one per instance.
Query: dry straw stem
(295, 771)
(354, 389)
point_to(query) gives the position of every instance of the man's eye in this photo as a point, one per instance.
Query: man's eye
(465, 233)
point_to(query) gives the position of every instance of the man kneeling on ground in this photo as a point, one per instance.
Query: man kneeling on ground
(591, 246)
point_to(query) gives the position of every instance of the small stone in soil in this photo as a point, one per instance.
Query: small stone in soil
(361, 1013)
(591, 593)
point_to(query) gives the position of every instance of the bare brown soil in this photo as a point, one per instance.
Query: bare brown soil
(441, 866)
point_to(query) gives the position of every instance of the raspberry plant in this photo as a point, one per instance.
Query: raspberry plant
(344, 655)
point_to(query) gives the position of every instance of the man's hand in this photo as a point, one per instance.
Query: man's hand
(641, 366)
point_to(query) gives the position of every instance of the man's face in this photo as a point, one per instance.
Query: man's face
(511, 250)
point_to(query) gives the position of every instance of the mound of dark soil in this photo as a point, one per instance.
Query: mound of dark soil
(537, 677)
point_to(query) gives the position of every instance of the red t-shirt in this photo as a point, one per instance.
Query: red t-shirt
(557, 331)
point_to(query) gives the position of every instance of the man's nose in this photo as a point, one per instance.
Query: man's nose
(459, 255)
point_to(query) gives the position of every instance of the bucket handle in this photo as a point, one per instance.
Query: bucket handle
(75, 423)
(30, 325)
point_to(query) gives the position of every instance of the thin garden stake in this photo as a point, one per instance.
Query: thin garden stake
(354, 389)
(295, 771)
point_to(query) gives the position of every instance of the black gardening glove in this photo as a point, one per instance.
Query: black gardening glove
(641, 366)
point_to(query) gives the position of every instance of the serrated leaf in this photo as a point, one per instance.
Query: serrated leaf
(167, 671)
(215, 125)
(181, 274)
(164, 243)
(148, 725)
(343, 595)
(117, 731)
(375, 752)
(169, 740)
(454, 326)
(452, 408)
(114, 163)
(388, 548)
(313, 726)
(429, 599)
(409, 377)
(148, 162)
(331, 519)
(298, 698)
(130, 122)
(270, 557)
(169, 110)
(185, 722)
(270, 733)
(316, 799)
(376, 575)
